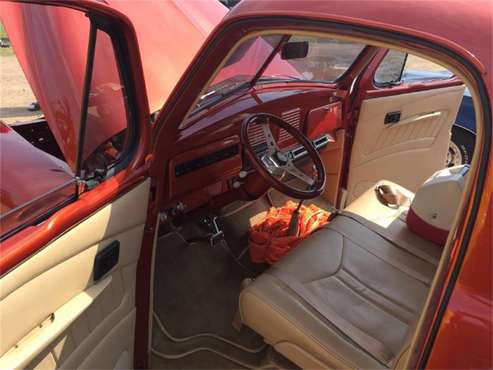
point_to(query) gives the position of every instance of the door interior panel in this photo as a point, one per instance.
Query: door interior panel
(408, 150)
(54, 315)
(332, 158)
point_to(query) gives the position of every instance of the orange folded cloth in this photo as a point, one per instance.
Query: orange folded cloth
(269, 240)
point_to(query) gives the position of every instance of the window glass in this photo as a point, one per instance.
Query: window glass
(106, 127)
(327, 59)
(40, 107)
(398, 67)
(391, 67)
(43, 54)
(44, 77)
(420, 70)
(240, 68)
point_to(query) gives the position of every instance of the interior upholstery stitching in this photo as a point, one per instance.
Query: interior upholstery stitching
(298, 326)
(403, 250)
(427, 284)
(337, 269)
(320, 317)
(434, 261)
(84, 249)
(400, 356)
(369, 300)
(397, 303)
(371, 303)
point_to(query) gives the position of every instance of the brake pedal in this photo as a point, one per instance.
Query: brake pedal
(216, 235)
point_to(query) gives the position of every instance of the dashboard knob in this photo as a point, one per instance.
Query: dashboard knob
(236, 184)
(243, 174)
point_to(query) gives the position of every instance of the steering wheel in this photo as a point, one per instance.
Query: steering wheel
(274, 163)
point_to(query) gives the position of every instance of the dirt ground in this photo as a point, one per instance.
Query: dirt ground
(15, 93)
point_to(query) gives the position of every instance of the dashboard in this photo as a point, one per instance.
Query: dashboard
(215, 166)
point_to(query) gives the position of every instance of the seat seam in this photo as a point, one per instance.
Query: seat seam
(323, 319)
(387, 262)
(384, 237)
(369, 301)
(341, 268)
(398, 358)
(298, 326)
(338, 267)
(394, 244)
(378, 292)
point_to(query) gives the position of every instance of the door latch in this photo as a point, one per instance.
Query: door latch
(106, 259)
(392, 117)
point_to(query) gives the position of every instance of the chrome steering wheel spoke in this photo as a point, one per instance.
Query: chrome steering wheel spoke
(272, 146)
(273, 164)
(290, 168)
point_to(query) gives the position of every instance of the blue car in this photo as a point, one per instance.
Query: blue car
(463, 133)
(463, 138)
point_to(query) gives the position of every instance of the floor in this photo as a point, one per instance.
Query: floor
(196, 290)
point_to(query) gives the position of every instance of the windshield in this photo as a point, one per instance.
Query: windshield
(326, 59)
(241, 67)
(262, 59)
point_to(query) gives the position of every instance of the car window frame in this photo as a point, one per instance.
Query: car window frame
(194, 114)
(121, 55)
(397, 82)
(402, 81)
(82, 185)
(340, 78)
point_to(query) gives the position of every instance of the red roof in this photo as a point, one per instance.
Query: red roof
(464, 25)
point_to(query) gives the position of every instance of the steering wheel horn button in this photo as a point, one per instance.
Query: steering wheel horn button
(281, 158)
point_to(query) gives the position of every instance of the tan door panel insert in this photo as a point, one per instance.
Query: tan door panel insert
(406, 152)
(53, 313)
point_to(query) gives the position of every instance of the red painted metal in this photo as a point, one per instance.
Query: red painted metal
(166, 50)
(15, 249)
(204, 178)
(31, 36)
(464, 335)
(169, 33)
(202, 133)
(378, 92)
(26, 242)
(450, 26)
(21, 161)
(324, 120)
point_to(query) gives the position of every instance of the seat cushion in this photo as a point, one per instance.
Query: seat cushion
(369, 207)
(375, 285)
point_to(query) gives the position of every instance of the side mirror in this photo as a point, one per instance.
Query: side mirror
(294, 50)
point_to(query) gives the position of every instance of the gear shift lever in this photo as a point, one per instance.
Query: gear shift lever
(293, 228)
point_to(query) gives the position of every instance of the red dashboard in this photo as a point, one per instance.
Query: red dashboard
(215, 165)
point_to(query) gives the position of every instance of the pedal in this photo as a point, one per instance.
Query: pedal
(216, 239)
(217, 235)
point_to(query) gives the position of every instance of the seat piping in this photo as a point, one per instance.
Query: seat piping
(371, 345)
(381, 232)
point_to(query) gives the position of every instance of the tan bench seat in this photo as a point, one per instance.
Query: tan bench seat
(347, 296)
